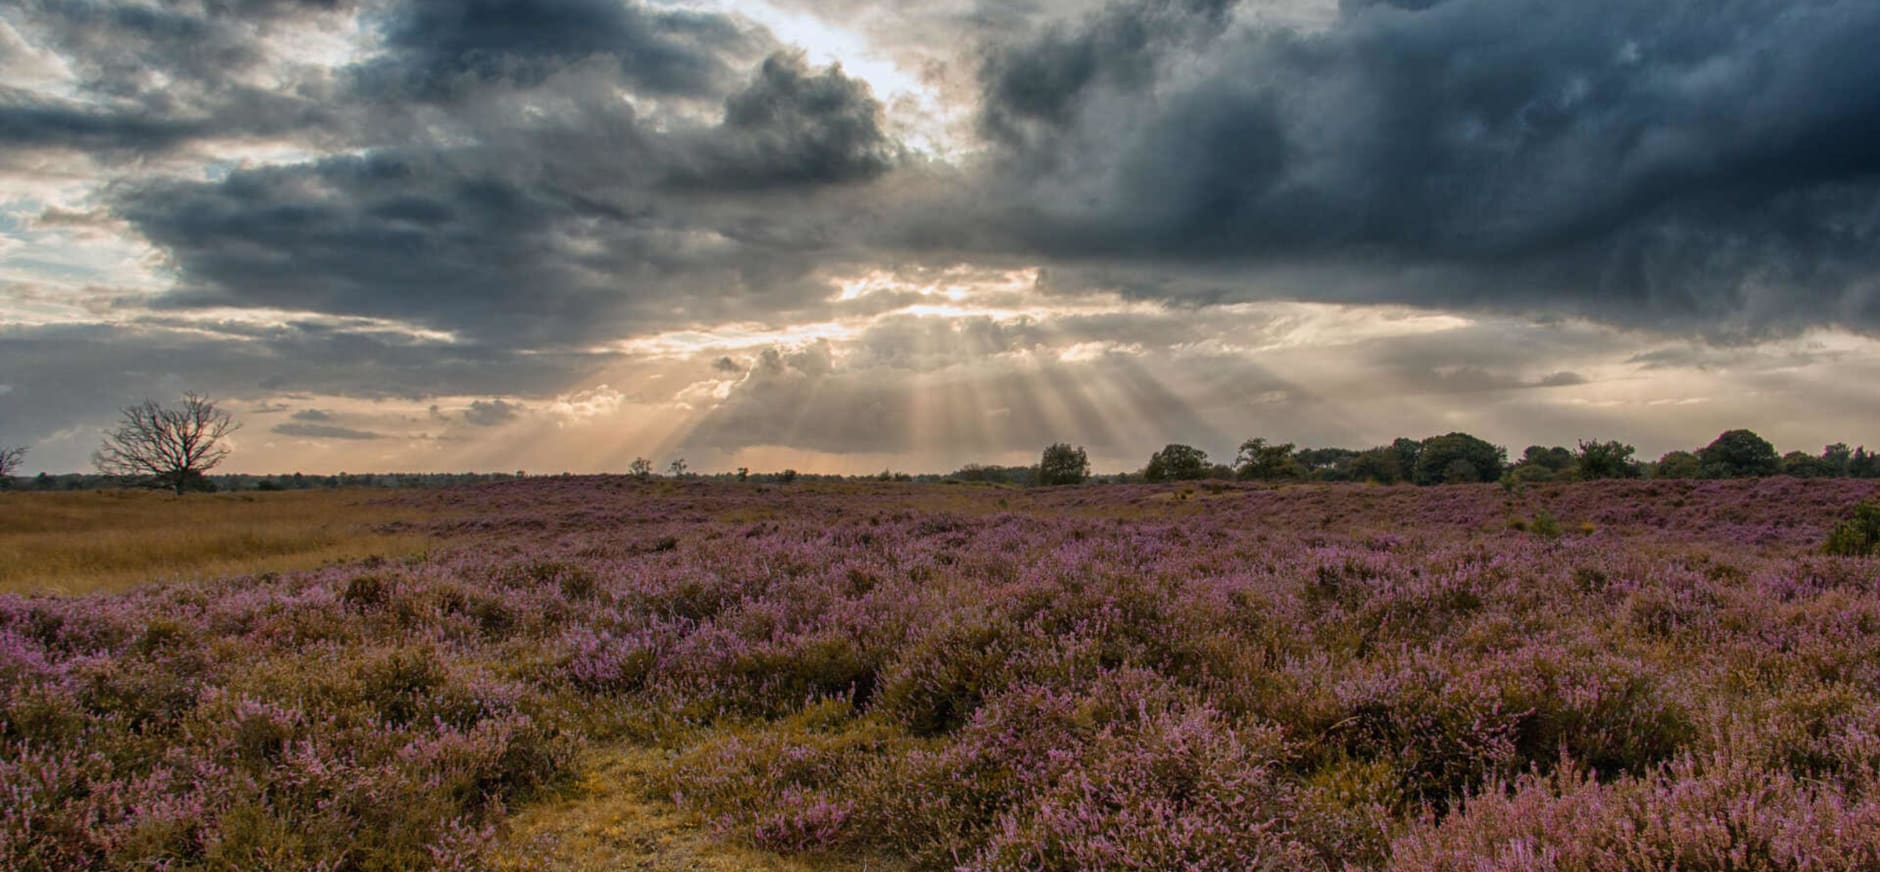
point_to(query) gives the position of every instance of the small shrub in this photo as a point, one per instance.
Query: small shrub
(1858, 536)
(363, 592)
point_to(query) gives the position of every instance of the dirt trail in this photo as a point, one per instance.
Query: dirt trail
(611, 820)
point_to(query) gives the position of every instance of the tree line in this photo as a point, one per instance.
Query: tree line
(176, 447)
(1461, 458)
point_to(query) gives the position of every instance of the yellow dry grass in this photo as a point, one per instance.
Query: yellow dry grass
(610, 819)
(111, 540)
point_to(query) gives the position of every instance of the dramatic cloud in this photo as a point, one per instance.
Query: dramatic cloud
(840, 234)
(442, 48)
(1640, 163)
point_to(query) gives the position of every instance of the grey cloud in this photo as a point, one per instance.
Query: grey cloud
(158, 76)
(1639, 163)
(325, 431)
(316, 415)
(120, 48)
(791, 126)
(28, 122)
(71, 375)
(437, 49)
(490, 413)
(1038, 84)
(585, 210)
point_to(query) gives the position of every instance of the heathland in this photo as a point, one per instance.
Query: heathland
(613, 673)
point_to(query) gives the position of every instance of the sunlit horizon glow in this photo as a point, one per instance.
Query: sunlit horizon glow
(846, 237)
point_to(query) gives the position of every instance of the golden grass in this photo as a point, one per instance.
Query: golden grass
(611, 820)
(111, 540)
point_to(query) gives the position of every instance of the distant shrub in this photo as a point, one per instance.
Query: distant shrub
(1859, 535)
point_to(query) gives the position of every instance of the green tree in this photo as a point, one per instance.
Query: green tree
(1801, 464)
(1063, 464)
(1540, 463)
(641, 468)
(1327, 464)
(1379, 465)
(1863, 464)
(1177, 463)
(1260, 460)
(1610, 459)
(1837, 457)
(1739, 454)
(1456, 458)
(1408, 452)
(1678, 464)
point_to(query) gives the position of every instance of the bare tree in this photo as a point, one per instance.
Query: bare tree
(172, 444)
(10, 464)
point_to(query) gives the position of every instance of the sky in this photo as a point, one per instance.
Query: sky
(844, 236)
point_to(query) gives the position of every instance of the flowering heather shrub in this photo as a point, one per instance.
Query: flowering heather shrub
(1698, 813)
(1305, 677)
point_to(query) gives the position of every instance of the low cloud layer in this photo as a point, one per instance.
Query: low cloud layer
(794, 225)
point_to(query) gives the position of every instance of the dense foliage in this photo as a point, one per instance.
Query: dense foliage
(1177, 463)
(1063, 464)
(1208, 676)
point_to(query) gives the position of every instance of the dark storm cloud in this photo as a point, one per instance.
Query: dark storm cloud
(443, 48)
(1038, 83)
(568, 225)
(26, 122)
(791, 127)
(1649, 163)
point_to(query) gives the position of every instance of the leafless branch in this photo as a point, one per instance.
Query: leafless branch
(172, 444)
(10, 459)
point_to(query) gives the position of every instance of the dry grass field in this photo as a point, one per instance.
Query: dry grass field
(99, 541)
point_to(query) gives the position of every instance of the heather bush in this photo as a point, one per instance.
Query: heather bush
(1296, 678)
(1696, 813)
(944, 675)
